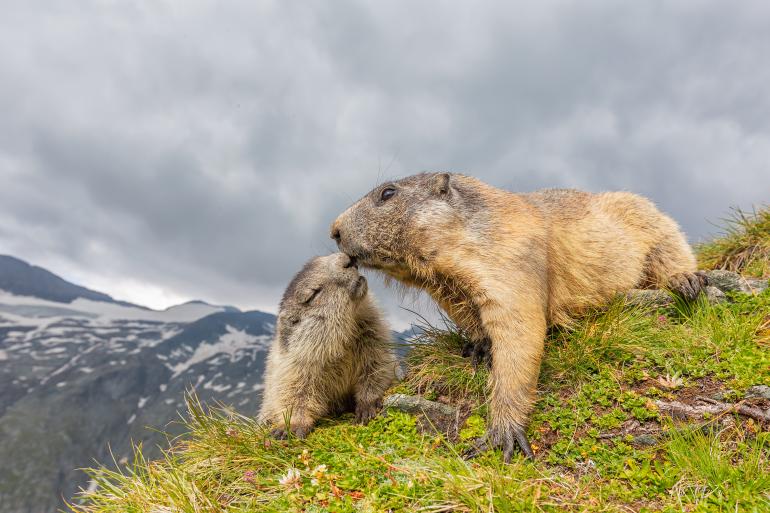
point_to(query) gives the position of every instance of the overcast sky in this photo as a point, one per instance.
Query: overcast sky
(166, 150)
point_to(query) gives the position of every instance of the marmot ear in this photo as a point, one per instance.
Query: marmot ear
(441, 184)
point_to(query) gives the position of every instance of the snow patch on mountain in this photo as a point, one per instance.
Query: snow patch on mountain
(230, 344)
(33, 309)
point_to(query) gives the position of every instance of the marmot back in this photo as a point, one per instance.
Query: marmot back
(332, 349)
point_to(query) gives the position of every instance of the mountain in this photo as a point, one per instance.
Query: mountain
(19, 278)
(82, 374)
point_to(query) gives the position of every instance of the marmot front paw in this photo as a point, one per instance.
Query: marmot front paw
(300, 431)
(507, 438)
(366, 411)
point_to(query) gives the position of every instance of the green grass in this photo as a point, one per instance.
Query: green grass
(601, 443)
(743, 247)
(603, 374)
(729, 475)
(437, 367)
(611, 334)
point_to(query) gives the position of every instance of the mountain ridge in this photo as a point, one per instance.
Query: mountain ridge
(81, 380)
(82, 374)
(24, 279)
(21, 278)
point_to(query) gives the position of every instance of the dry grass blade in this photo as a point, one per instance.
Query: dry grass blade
(743, 248)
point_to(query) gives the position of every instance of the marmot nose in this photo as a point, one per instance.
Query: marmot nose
(351, 262)
(335, 233)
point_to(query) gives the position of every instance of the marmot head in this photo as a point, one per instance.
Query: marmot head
(399, 225)
(324, 294)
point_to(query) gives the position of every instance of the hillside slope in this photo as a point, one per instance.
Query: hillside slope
(645, 405)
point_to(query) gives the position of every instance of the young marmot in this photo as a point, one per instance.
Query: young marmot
(332, 350)
(504, 266)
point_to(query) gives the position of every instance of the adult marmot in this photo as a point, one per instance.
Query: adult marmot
(332, 350)
(504, 266)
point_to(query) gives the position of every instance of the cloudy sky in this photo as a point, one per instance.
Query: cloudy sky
(167, 150)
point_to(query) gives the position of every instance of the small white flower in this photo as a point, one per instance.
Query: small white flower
(292, 478)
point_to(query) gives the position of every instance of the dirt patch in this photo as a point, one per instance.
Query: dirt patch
(704, 387)
(707, 386)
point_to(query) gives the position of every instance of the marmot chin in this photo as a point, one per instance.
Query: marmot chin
(332, 350)
(504, 266)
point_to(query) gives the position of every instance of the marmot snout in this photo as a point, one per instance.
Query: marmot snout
(332, 349)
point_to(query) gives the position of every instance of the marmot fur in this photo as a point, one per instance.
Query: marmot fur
(504, 266)
(332, 350)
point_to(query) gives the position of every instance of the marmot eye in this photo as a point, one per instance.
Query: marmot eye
(387, 193)
(312, 295)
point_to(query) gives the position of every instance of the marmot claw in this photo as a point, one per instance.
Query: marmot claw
(689, 285)
(507, 440)
(367, 411)
(283, 433)
(480, 352)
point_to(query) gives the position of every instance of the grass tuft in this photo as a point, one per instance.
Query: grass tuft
(744, 246)
(437, 367)
(606, 336)
(728, 475)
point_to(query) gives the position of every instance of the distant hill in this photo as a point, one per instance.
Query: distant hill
(22, 279)
(81, 372)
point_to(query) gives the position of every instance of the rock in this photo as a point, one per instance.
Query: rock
(415, 404)
(649, 297)
(723, 395)
(431, 416)
(758, 285)
(714, 295)
(758, 391)
(728, 281)
(644, 440)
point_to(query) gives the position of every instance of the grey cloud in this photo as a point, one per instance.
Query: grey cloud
(206, 147)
